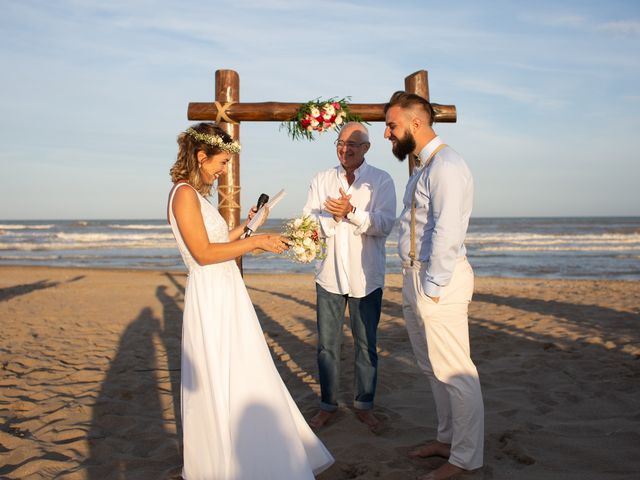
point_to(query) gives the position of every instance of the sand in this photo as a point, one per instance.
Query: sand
(89, 376)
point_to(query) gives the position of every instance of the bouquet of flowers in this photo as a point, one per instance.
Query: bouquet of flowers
(306, 244)
(319, 116)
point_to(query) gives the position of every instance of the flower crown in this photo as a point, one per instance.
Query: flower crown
(215, 141)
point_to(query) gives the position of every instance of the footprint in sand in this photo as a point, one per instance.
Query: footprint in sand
(510, 447)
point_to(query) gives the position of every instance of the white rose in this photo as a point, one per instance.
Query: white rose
(307, 241)
(328, 109)
(297, 222)
(338, 120)
(314, 112)
(298, 234)
(298, 250)
(314, 123)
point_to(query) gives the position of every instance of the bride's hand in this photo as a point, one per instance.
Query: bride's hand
(272, 243)
(252, 213)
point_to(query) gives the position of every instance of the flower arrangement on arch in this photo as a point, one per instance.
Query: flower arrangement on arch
(304, 239)
(319, 116)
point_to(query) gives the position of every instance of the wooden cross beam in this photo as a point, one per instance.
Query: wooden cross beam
(227, 111)
(282, 112)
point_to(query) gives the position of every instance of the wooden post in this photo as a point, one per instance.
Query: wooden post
(418, 83)
(227, 91)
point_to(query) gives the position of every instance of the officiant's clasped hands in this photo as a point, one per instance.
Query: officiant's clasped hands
(339, 207)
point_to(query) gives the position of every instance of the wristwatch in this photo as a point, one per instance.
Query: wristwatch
(351, 214)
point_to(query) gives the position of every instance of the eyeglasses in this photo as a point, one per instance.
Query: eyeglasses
(340, 144)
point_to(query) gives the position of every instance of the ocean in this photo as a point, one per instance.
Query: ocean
(576, 247)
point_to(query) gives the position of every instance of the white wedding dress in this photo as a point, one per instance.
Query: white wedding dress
(238, 418)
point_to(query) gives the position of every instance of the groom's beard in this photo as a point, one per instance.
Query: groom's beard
(404, 146)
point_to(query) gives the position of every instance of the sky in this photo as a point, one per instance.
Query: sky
(93, 95)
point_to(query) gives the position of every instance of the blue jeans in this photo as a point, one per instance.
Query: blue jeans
(364, 316)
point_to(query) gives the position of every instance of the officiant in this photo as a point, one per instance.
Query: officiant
(355, 206)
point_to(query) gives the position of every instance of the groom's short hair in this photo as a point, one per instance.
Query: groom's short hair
(406, 100)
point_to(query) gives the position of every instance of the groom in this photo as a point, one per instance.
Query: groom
(437, 282)
(355, 206)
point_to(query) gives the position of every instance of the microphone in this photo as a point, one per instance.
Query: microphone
(262, 200)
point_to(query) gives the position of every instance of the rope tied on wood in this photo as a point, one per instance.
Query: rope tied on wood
(222, 113)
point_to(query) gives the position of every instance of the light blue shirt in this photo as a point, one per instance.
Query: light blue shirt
(444, 199)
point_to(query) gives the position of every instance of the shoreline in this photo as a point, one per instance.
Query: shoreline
(90, 375)
(302, 274)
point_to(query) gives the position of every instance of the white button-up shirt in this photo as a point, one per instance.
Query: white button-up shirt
(444, 198)
(355, 261)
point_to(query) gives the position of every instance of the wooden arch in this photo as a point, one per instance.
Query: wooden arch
(228, 112)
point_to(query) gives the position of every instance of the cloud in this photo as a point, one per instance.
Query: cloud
(571, 21)
(516, 94)
(622, 27)
(556, 20)
(581, 22)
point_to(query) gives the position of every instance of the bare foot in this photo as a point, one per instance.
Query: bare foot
(431, 449)
(447, 470)
(368, 418)
(321, 418)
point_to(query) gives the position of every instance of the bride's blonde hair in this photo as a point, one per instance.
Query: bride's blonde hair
(206, 137)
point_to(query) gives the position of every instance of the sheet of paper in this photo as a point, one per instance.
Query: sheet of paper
(255, 221)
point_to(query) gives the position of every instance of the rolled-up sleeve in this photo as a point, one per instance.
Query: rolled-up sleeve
(379, 217)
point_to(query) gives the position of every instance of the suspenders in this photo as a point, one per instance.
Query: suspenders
(412, 251)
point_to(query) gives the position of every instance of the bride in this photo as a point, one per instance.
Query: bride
(239, 420)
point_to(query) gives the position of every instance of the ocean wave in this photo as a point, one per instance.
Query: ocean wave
(119, 237)
(566, 248)
(543, 239)
(29, 257)
(604, 241)
(102, 245)
(140, 227)
(76, 256)
(25, 227)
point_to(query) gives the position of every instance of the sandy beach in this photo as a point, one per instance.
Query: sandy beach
(90, 376)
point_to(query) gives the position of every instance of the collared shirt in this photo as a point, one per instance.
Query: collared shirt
(444, 198)
(355, 261)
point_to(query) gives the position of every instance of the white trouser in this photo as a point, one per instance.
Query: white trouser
(439, 334)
